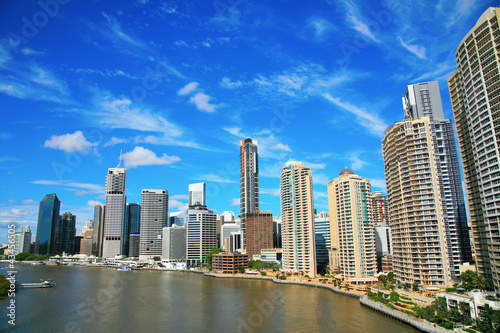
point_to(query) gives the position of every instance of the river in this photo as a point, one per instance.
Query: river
(89, 299)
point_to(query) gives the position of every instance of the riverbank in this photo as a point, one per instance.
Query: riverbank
(363, 299)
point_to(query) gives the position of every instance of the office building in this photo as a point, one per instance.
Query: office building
(22, 240)
(65, 234)
(133, 247)
(174, 243)
(351, 225)
(48, 217)
(259, 232)
(234, 243)
(98, 236)
(176, 218)
(249, 184)
(474, 91)
(229, 263)
(114, 214)
(276, 232)
(323, 238)
(228, 216)
(132, 224)
(424, 100)
(226, 230)
(197, 194)
(154, 215)
(201, 234)
(297, 218)
(86, 242)
(420, 239)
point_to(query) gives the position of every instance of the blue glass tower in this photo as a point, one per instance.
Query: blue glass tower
(48, 216)
(132, 224)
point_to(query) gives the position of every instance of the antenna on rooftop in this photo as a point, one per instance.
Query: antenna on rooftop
(120, 164)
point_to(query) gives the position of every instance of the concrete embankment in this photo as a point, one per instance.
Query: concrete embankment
(363, 299)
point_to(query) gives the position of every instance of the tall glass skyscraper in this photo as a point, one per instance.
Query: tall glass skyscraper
(323, 238)
(114, 216)
(474, 91)
(98, 236)
(65, 234)
(297, 219)
(132, 224)
(249, 183)
(48, 216)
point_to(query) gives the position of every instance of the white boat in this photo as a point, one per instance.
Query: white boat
(124, 269)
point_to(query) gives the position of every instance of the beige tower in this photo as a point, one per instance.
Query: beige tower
(418, 227)
(475, 98)
(351, 225)
(297, 216)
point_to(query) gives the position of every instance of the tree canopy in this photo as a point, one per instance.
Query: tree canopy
(471, 280)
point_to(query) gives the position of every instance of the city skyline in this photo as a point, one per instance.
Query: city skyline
(175, 84)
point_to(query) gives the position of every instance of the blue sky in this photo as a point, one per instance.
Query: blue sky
(176, 85)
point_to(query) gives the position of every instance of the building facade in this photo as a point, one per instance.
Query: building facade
(323, 238)
(197, 194)
(22, 240)
(249, 183)
(383, 236)
(297, 219)
(65, 234)
(424, 100)
(474, 91)
(351, 225)
(132, 224)
(48, 217)
(174, 243)
(98, 236)
(114, 215)
(259, 232)
(154, 216)
(229, 262)
(420, 240)
(226, 230)
(201, 234)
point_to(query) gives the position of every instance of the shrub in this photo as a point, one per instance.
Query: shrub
(263, 273)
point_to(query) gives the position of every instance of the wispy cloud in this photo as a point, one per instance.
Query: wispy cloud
(115, 141)
(106, 73)
(235, 202)
(273, 192)
(357, 163)
(78, 188)
(358, 22)
(114, 32)
(142, 156)
(227, 83)
(215, 178)
(378, 183)
(201, 101)
(188, 88)
(269, 145)
(371, 122)
(417, 50)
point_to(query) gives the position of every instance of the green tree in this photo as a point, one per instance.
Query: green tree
(241, 269)
(394, 296)
(156, 258)
(208, 258)
(471, 280)
(384, 280)
(4, 286)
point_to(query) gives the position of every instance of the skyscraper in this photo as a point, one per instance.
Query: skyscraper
(297, 218)
(98, 236)
(114, 215)
(424, 100)
(48, 216)
(197, 194)
(383, 236)
(65, 234)
(259, 232)
(474, 91)
(22, 240)
(351, 225)
(323, 238)
(420, 239)
(249, 183)
(132, 224)
(174, 243)
(201, 234)
(154, 216)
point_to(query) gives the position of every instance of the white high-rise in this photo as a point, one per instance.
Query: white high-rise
(201, 234)
(114, 215)
(22, 240)
(154, 217)
(197, 194)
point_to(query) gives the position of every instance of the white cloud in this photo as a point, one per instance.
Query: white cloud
(227, 83)
(314, 166)
(319, 178)
(14, 213)
(78, 188)
(201, 101)
(417, 50)
(358, 23)
(93, 203)
(29, 202)
(168, 141)
(11, 200)
(371, 122)
(235, 202)
(357, 163)
(70, 142)
(215, 178)
(378, 183)
(273, 192)
(114, 141)
(188, 88)
(177, 204)
(118, 113)
(179, 197)
(141, 156)
(281, 146)
(269, 145)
